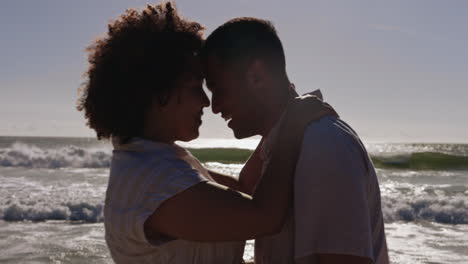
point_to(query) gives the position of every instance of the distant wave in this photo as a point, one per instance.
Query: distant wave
(421, 161)
(222, 155)
(23, 155)
(30, 156)
(439, 210)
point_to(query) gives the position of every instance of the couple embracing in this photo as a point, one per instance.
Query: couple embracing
(307, 194)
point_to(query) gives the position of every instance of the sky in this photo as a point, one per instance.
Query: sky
(396, 71)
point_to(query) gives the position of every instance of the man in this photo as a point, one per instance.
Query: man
(336, 216)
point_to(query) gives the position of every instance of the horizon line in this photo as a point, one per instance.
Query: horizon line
(372, 141)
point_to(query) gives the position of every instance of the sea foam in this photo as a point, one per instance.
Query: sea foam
(23, 155)
(72, 211)
(438, 210)
(444, 210)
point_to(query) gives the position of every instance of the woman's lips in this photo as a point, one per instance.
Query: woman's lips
(227, 117)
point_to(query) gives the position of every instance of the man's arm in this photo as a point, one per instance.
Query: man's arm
(340, 259)
(333, 259)
(248, 177)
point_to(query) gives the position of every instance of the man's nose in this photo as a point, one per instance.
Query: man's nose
(215, 105)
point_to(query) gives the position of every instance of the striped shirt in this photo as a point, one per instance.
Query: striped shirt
(143, 175)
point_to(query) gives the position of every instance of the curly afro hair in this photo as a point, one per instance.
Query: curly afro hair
(135, 63)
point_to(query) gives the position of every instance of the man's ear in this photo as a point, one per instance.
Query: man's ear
(257, 74)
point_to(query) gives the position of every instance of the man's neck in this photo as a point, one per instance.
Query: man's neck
(277, 108)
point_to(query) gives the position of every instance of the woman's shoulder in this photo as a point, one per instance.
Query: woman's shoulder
(142, 157)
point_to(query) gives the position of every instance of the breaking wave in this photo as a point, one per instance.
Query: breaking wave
(439, 210)
(23, 155)
(422, 161)
(30, 156)
(80, 211)
(452, 210)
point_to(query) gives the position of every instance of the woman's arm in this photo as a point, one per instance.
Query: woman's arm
(226, 180)
(213, 212)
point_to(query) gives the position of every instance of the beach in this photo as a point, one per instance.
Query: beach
(52, 195)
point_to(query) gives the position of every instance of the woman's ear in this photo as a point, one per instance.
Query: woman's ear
(160, 103)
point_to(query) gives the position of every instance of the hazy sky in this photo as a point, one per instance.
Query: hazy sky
(395, 70)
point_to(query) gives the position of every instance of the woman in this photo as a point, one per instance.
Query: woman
(144, 90)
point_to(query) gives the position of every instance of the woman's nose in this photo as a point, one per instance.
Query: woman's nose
(205, 100)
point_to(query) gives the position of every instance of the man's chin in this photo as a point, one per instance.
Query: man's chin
(191, 137)
(240, 134)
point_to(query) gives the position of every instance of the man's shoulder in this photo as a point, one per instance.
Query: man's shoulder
(330, 128)
(332, 138)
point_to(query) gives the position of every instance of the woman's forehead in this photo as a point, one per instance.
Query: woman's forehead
(193, 69)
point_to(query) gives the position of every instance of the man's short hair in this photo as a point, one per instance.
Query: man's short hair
(242, 39)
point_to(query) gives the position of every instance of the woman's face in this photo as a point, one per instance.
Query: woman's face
(187, 103)
(180, 118)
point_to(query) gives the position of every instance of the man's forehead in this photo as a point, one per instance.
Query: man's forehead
(213, 71)
(215, 66)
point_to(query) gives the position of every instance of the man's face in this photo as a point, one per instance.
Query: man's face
(233, 98)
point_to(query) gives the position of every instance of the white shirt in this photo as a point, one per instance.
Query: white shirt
(337, 208)
(143, 175)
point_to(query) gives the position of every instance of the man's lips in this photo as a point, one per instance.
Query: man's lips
(199, 117)
(228, 119)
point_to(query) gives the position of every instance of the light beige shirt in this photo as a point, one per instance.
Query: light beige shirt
(143, 175)
(337, 207)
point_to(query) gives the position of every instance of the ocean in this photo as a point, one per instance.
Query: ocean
(52, 192)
